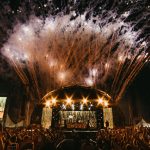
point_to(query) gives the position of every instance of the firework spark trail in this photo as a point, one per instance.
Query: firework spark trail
(133, 69)
(35, 81)
(19, 73)
(119, 78)
(58, 51)
(132, 75)
(127, 72)
(116, 78)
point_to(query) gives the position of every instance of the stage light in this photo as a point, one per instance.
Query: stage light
(81, 107)
(63, 106)
(69, 100)
(53, 100)
(72, 107)
(84, 100)
(47, 104)
(105, 103)
(100, 100)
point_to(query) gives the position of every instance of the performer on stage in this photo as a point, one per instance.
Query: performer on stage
(107, 124)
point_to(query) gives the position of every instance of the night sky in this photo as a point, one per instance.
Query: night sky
(140, 93)
(11, 11)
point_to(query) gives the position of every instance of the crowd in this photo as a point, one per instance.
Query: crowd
(124, 139)
(38, 138)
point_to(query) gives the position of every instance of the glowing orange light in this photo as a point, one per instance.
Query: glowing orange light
(73, 107)
(69, 100)
(84, 100)
(100, 100)
(53, 100)
(47, 104)
(105, 103)
(64, 106)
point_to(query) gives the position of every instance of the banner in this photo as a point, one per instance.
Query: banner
(108, 117)
(46, 117)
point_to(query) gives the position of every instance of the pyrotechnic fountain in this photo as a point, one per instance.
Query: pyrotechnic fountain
(100, 50)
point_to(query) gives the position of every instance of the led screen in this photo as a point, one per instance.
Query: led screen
(78, 119)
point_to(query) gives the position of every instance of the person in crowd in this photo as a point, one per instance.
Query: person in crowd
(38, 138)
(107, 124)
(1, 139)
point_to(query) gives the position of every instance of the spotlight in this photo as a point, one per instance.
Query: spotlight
(53, 100)
(100, 100)
(84, 100)
(72, 106)
(47, 104)
(63, 106)
(105, 103)
(81, 107)
(69, 100)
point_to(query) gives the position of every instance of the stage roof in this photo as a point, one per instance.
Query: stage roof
(76, 92)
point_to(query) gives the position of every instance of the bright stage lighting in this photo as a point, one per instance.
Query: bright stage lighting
(63, 106)
(47, 104)
(100, 100)
(53, 100)
(84, 100)
(105, 104)
(72, 107)
(69, 100)
(81, 107)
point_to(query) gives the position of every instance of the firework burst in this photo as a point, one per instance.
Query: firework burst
(101, 50)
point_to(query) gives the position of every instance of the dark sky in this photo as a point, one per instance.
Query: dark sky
(140, 93)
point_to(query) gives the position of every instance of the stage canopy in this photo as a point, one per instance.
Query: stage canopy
(142, 123)
(77, 92)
